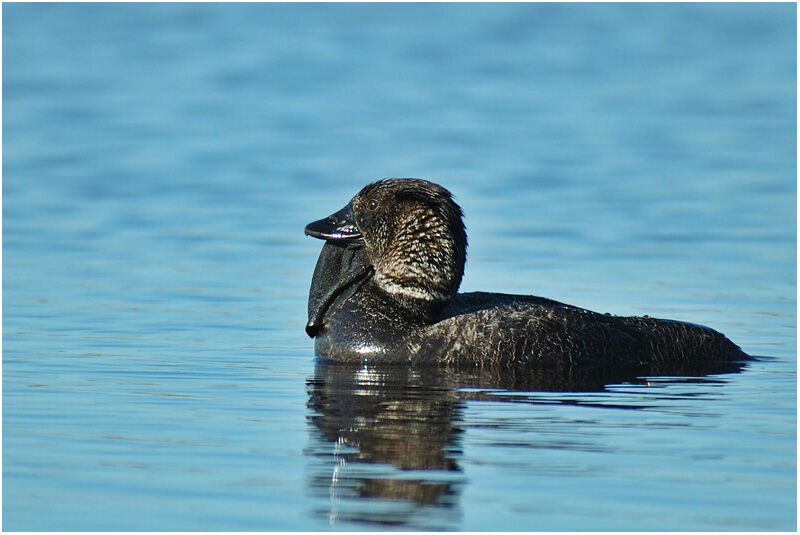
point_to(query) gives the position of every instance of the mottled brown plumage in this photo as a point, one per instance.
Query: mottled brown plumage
(385, 290)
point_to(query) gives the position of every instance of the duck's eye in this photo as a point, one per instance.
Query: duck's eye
(372, 205)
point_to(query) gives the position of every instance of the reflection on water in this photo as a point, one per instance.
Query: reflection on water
(395, 434)
(388, 436)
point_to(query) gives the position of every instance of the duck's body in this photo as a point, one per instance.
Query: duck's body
(385, 291)
(490, 328)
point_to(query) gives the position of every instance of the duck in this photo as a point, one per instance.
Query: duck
(385, 290)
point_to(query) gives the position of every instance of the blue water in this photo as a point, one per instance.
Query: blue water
(161, 161)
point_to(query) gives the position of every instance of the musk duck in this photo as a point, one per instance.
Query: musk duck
(385, 289)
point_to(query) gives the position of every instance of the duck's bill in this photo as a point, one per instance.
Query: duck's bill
(338, 226)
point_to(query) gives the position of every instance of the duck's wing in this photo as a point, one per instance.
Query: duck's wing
(551, 333)
(473, 301)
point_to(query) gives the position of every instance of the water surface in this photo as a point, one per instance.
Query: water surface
(161, 160)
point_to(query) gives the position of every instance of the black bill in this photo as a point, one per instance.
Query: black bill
(338, 226)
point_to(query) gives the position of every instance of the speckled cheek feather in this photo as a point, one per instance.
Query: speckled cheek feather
(420, 260)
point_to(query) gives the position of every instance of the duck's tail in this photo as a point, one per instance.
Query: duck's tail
(677, 341)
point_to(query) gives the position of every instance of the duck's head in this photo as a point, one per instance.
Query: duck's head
(414, 239)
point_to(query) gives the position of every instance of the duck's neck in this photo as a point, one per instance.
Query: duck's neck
(422, 267)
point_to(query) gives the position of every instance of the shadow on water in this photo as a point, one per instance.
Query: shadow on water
(386, 438)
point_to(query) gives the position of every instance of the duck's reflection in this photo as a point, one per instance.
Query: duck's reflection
(395, 435)
(385, 439)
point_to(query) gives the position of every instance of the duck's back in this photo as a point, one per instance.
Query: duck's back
(486, 328)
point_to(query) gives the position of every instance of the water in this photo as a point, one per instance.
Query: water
(161, 161)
